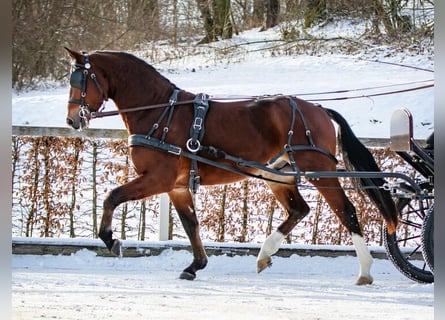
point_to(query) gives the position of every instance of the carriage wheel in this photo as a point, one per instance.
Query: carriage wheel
(428, 239)
(404, 246)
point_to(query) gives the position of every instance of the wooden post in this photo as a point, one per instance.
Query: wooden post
(164, 216)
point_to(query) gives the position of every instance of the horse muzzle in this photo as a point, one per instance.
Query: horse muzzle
(77, 123)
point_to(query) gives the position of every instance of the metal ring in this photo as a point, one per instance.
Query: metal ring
(191, 145)
(83, 112)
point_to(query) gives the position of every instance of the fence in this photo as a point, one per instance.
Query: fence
(59, 174)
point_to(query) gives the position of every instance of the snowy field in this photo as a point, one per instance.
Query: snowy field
(85, 286)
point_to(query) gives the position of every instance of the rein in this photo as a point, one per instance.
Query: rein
(375, 94)
(101, 114)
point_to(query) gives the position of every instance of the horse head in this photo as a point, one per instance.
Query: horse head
(88, 90)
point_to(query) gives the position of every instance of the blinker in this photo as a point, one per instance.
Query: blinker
(76, 79)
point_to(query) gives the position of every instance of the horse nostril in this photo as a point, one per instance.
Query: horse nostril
(69, 121)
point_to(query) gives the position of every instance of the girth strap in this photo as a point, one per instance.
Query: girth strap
(197, 129)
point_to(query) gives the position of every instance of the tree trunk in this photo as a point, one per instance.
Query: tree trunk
(222, 19)
(72, 206)
(270, 218)
(47, 187)
(315, 12)
(142, 220)
(34, 190)
(175, 23)
(221, 217)
(381, 15)
(94, 186)
(245, 212)
(125, 174)
(272, 13)
(143, 18)
(206, 16)
(258, 14)
(216, 25)
(124, 220)
(317, 219)
(170, 221)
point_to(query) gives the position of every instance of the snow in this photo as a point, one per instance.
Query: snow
(86, 286)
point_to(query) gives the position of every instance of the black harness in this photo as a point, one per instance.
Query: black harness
(79, 77)
(197, 130)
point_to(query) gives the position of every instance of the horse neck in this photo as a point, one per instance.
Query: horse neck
(135, 84)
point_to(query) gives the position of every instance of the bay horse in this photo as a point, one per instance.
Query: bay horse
(179, 140)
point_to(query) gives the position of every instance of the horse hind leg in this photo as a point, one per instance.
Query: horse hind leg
(345, 211)
(296, 208)
(183, 202)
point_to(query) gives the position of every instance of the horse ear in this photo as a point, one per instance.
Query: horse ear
(76, 56)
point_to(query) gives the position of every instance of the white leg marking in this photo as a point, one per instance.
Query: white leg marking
(271, 245)
(364, 257)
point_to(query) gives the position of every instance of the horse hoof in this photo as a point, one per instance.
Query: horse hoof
(187, 276)
(363, 281)
(263, 264)
(116, 249)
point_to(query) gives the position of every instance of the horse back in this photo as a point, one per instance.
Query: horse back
(260, 128)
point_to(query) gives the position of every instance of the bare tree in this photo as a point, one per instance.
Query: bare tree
(217, 19)
(272, 13)
(315, 12)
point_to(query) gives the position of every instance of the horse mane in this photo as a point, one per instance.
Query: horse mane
(130, 60)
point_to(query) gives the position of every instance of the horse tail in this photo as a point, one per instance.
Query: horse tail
(358, 158)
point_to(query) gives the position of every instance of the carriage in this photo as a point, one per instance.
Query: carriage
(179, 140)
(414, 236)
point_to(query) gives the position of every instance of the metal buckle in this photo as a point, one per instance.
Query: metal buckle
(193, 146)
(84, 112)
(198, 123)
(175, 150)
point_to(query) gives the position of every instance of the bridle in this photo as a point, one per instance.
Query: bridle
(78, 80)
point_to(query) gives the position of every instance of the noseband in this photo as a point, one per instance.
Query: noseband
(78, 80)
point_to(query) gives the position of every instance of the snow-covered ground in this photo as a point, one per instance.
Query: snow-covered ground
(85, 286)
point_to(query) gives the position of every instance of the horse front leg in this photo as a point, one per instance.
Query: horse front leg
(183, 202)
(136, 189)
